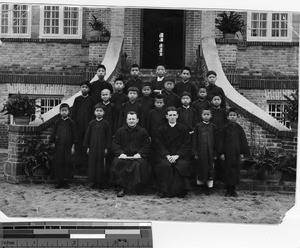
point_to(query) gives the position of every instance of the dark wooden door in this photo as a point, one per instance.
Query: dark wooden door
(170, 23)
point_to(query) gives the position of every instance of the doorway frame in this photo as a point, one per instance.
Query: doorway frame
(142, 38)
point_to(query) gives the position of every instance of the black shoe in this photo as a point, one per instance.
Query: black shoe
(66, 186)
(234, 194)
(121, 193)
(227, 193)
(59, 186)
(208, 191)
(94, 186)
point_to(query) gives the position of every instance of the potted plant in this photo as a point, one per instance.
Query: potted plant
(21, 107)
(98, 28)
(37, 158)
(229, 24)
(291, 111)
(270, 164)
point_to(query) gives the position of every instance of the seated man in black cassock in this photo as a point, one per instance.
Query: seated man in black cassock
(130, 145)
(173, 146)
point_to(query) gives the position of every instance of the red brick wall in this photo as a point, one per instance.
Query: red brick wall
(43, 56)
(192, 36)
(268, 60)
(257, 136)
(132, 34)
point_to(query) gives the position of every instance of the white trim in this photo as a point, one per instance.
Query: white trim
(268, 37)
(60, 34)
(10, 34)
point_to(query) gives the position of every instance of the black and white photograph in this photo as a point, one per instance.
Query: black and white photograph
(148, 113)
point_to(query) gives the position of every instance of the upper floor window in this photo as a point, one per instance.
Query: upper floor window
(61, 22)
(269, 26)
(276, 109)
(15, 20)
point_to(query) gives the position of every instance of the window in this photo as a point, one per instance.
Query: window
(276, 109)
(61, 22)
(268, 26)
(46, 104)
(15, 20)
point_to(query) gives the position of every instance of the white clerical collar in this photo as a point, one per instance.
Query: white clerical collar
(99, 119)
(106, 103)
(159, 79)
(206, 122)
(185, 81)
(64, 119)
(186, 107)
(85, 96)
(172, 124)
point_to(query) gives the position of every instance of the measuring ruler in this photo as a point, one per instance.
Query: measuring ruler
(76, 234)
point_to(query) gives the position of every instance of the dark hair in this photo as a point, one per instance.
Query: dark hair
(106, 89)
(160, 64)
(99, 105)
(201, 86)
(207, 108)
(170, 79)
(216, 95)
(171, 108)
(133, 89)
(131, 113)
(185, 93)
(101, 66)
(135, 66)
(64, 105)
(158, 97)
(187, 68)
(211, 72)
(231, 110)
(87, 83)
(119, 79)
(147, 84)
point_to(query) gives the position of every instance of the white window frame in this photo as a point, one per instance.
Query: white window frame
(269, 36)
(10, 33)
(60, 34)
(281, 117)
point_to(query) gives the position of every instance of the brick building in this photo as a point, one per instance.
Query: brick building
(47, 50)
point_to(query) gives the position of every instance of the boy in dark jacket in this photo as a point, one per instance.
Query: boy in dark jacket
(63, 139)
(213, 89)
(100, 84)
(201, 103)
(205, 147)
(135, 80)
(186, 114)
(146, 100)
(170, 98)
(233, 146)
(97, 140)
(119, 97)
(186, 85)
(82, 113)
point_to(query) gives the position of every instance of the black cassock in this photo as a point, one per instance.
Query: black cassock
(171, 99)
(63, 135)
(188, 87)
(147, 103)
(97, 139)
(172, 179)
(97, 87)
(199, 105)
(205, 145)
(82, 113)
(233, 142)
(213, 90)
(187, 117)
(130, 173)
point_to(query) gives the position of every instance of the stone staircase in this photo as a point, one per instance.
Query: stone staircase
(149, 74)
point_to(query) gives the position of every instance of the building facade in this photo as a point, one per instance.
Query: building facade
(48, 50)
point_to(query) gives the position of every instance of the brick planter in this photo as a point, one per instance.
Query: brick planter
(19, 137)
